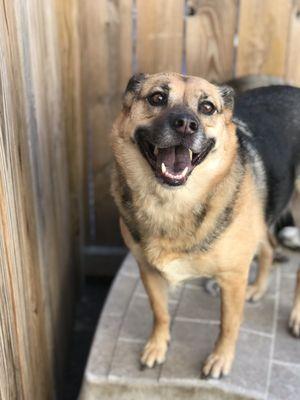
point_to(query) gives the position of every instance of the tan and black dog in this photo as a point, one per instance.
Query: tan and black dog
(197, 188)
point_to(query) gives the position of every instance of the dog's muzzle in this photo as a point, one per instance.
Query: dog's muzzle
(174, 145)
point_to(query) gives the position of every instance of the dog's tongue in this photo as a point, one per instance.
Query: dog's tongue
(175, 158)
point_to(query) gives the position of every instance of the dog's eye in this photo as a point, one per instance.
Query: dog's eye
(157, 99)
(207, 108)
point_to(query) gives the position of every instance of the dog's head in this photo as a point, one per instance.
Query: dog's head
(175, 122)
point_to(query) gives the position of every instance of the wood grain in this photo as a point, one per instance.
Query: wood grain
(37, 276)
(210, 30)
(263, 35)
(106, 51)
(106, 48)
(67, 15)
(293, 46)
(160, 35)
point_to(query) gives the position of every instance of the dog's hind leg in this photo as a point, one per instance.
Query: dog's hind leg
(265, 257)
(157, 289)
(294, 322)
(295, 203)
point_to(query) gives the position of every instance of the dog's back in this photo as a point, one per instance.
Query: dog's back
(268, 120)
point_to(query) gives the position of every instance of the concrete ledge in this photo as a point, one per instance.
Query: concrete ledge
(267, 365)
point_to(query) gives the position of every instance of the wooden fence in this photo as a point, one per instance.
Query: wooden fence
(59, 61)
(40, 190)
(215, 39)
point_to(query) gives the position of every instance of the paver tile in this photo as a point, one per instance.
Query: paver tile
(126, 365)
(192, 342)
(285, 382)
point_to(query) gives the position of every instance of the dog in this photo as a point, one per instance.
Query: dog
(199, 179)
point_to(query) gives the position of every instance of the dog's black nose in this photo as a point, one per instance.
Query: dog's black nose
(184, 123)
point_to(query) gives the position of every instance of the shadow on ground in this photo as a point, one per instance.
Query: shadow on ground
(87, 313)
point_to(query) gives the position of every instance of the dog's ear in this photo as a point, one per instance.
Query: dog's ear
(133, 88)
(227, 93)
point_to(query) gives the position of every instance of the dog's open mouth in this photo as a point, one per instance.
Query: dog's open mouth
(173, 165)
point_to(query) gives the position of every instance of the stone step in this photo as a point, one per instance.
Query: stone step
(267, 364)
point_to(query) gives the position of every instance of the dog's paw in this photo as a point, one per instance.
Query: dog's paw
(255, 292)
(217, 364)
(294, 322)
(154, 352)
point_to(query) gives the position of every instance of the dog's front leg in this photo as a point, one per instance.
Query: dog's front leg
(233, 290)
(157, 289)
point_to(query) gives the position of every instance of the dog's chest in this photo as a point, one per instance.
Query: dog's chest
(169, 232)
(186, 268)
(171, 255)
(174, 220)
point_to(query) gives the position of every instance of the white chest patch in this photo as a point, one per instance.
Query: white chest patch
(183, 269)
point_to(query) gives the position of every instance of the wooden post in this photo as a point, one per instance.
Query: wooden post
(37, 196)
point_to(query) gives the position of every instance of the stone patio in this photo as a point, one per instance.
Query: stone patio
(267, 364)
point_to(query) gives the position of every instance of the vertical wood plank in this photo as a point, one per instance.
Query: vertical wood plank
(124, 40)
(293, 50)
(48, 155)
(210, 30)
(37, 270)
(106, 43)
(106, 51)
(68, 41)
(25, 333)
(263, 35)
(160, 35)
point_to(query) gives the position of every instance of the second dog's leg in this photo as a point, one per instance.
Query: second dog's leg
(294, 322)
(157, 290)
(265, 258)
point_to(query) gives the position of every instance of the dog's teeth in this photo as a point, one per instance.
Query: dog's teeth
(156, 150)
(174, 176)
(184, 172)
(191, 154)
